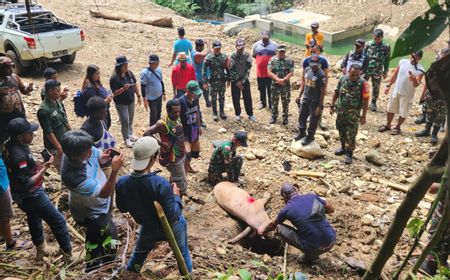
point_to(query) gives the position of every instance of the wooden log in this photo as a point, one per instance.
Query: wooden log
(398, 187)
(172, 241)
(308, 173)
(162, 22)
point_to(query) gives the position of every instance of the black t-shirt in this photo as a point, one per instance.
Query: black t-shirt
(93, 128)
(116, 82)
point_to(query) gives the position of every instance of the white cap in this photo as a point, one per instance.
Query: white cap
(143, 150)
(315, 24)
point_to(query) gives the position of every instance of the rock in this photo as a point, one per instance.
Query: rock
(311, 151)
(322, 142)
(407, 140)
(359, 183)
(367, 176)
(250, 156)
(424, 205)
(375, 209)
(267, 259)
(325, 134)
(221, 251)
(334, 134)
(260, 154)
(362, 137)
(368, 197)
(231, 30)
(222, 130)
(375, 158)
(251, 136)
(367, 220)
(366, 249)
(390, 200)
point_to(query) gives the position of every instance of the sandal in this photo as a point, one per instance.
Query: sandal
(19, 244)
(383, 128)
(14, 233)
(396, 131)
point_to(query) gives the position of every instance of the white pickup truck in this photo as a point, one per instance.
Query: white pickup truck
(38, 36)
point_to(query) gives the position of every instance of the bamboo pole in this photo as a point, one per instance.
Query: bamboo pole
(172, 241)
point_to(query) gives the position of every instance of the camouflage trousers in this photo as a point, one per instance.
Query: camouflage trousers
(217, 89)
(435, 110)
(347, 123)
(376, 82)
(441, 251)
(233, 170)
(285, 94)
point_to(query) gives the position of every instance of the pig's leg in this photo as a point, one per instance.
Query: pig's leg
(241, 235)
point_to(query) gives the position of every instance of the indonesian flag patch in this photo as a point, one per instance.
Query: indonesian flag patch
(23, 164)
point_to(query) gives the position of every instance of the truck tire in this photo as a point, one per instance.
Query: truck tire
(20, 68)
(69, 59)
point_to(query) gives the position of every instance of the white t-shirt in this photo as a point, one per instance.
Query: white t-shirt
(403, 85)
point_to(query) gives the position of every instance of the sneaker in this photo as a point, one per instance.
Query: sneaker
(299, 136)
(215, 118)
(203, 125)
(237, 118)
(133, 138)
(129, 143)
(373, 106)
(252, 118)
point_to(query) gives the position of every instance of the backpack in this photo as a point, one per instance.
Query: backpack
(79, 105)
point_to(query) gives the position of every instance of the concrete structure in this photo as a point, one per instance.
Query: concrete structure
(293, 22)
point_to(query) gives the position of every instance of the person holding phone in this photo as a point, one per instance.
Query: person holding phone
(123, 86)
(26, 180)
(53, 120)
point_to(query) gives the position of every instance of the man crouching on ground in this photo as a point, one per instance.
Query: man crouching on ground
(135, 193)
(312, 233)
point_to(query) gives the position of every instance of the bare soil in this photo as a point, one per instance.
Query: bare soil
(209, 227)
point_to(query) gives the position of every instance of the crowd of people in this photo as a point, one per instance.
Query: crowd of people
(89, 163)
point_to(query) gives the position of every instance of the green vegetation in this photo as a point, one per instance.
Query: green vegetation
(192, 8)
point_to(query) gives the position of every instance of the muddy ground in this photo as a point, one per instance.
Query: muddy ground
(364, 210)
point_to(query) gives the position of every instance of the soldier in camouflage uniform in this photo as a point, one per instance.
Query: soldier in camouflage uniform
(440, 252)
(217, 65)
(351, 95)
(280, 70)
(378, 54)
(435, 110)
(224, 159)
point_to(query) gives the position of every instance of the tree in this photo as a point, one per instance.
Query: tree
(421, 32)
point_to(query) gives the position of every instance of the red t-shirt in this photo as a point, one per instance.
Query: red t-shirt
(181, 76)
(262, 55)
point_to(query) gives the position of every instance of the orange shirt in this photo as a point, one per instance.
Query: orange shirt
(318, 38)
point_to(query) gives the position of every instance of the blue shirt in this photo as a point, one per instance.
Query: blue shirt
(298, 211)
(4, 182)
(153, 86)
(85, 182)
(182, 45)
(198, 67)
(136, 193)
(322, 60)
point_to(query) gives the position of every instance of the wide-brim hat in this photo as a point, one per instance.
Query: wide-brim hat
(182, 56)
(121, 60)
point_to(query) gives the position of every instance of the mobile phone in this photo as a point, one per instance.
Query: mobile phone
(113, 152)
(132, 85)
(46, 155)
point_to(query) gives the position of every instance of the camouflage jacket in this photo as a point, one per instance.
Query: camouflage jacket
(351, 94)
(281, 67)
(378, 56)
(240, 65)
(222, 154)
(218, 68)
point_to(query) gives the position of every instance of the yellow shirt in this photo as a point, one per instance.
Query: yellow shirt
(309, 38)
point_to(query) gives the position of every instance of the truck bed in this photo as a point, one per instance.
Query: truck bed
(43, 28)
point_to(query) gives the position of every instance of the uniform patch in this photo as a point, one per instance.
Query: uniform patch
(23, 164)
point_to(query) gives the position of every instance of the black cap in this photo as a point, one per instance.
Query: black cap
(181, 28)
(153, 58)
(418, 53)
(241, 136)
(378, 32)
(19, 126)
(49, 72)
(282, 48)
(49, 84)
(360, 42)
(240, 43)
(121, 60)
(216, 44)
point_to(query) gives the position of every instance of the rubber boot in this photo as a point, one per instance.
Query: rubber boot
(348, 157)
(341, 151)
(222, 113)
(44, 250)
(426, 131)
(434, 134)
(307, 140)
(300, 135)
(421, 119)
